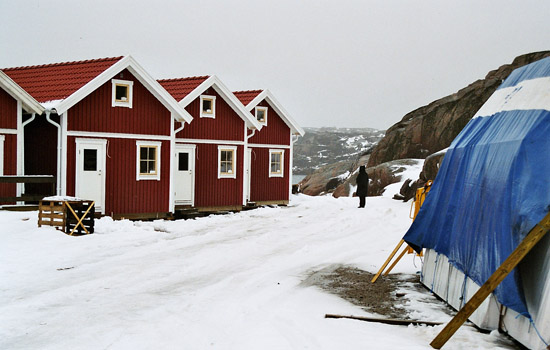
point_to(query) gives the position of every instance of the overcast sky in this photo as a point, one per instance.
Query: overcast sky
(330, 63)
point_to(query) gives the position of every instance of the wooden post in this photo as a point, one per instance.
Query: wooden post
(406, 249)
(387, 261)
(534, 236)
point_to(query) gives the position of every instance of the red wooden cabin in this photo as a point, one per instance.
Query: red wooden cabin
(14, 103)
(210, 151)
(270, 149)
(107, 133)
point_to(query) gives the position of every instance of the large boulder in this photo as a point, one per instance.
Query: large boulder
(431, 128)
(380, 176)
(326, 178)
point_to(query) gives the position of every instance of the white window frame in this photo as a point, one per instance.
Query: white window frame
(282, 172)
(205, 114)
(130, 85)
(2, 139)
(232, 175)
(157, 146)
(261, 108)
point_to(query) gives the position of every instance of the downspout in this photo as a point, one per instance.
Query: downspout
(247, 167)
(58, 126)
(171, 205)
(293, 139)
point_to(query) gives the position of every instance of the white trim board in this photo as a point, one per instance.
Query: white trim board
(208, 141)
(18, 93)
(114, 135)
(264, 145)
(8, 131)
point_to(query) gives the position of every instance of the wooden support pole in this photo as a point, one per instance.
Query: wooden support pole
(534, 236)
(405, 250)
(392, 321)
(387, 261)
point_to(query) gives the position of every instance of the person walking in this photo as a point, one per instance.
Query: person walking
(362, 182)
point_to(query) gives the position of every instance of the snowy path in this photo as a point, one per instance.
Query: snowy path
(227, 282)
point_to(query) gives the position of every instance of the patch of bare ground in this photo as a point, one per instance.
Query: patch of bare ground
(385, 297)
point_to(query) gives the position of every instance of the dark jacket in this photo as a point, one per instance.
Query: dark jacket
(362, 182)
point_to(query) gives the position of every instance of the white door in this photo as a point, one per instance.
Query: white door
(184, 176)
(90, 171)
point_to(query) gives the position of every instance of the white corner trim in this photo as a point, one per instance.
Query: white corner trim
(157, 145)
(212, 114)
(282, 172)
(232, 175)
(2, 139)
(130, 85)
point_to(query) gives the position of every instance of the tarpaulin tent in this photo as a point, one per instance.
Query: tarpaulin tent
(493, 185)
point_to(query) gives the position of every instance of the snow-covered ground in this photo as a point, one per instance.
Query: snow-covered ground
(227, 282)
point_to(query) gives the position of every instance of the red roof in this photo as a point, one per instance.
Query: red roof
(181, 87)
(247, 96)
(57, 81)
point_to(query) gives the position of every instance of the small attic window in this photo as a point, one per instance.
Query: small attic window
(122, 93)
(208, 106)
(261, 114)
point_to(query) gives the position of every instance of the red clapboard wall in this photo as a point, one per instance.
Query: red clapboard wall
(227, 126)
(276, 132)
(123, 193)
(263, 187)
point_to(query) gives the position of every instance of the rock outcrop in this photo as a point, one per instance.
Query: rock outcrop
(431, 128)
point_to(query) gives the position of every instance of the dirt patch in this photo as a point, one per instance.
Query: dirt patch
(385, 297)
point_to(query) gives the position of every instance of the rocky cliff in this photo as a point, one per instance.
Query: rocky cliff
(324, 146)
(432, 128)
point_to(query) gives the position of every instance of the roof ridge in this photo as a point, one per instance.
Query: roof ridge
(68, 63)
(248, 91)
(185, 78)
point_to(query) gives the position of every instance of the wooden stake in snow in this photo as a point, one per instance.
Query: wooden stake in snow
(534, 236)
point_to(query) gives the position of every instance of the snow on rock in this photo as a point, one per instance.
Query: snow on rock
(226, 281)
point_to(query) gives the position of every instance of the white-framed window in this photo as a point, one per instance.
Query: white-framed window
(276, 162)
(261, 114)
(122, 93)
(148, 160)
(227, 162)
(208, 106)
(2, 138)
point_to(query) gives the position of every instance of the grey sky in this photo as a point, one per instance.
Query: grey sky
(330, 63)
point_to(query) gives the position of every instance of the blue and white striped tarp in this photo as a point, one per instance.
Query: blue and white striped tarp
(494, 183)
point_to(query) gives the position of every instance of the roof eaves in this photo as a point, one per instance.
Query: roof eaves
(230, 98)
(17, 92)
(266, 94)
(129, 63)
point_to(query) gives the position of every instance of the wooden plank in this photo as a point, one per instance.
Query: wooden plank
(52, 215)
(387, 261)
(391, 321)
(406, 249)
(27, 179)
(23, 198)
(532, 238)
